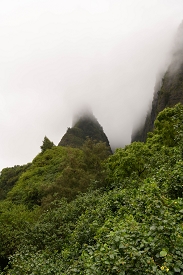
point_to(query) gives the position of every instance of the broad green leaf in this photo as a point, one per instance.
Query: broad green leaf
(163, 253)
(176, 269)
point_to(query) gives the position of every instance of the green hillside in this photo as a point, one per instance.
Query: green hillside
(83, 211)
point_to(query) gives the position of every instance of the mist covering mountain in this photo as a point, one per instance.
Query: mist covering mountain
(168, 90)
(85, 125)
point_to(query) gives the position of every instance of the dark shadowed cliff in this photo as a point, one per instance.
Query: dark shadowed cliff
(168, 92)
(85, 126)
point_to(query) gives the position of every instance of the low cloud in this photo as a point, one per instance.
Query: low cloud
(177, 51)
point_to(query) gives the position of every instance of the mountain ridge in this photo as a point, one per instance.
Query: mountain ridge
(167, 92)
(85, 126)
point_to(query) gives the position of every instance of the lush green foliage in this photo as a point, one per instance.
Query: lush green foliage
(168, 127)
(14, 220)
(8, 178)
(47, 144)
(132, 225)
(59, 172)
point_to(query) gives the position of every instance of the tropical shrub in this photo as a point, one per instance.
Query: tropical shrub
(132, 225)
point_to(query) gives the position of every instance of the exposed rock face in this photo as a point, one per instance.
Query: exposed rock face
(171, 89)
(85, 126)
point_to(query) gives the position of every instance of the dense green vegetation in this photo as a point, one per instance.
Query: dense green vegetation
(47, 144)
(84, 211)
(9, 177)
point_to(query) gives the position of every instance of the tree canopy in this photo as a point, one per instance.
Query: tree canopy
(84, 211)
(47, 144)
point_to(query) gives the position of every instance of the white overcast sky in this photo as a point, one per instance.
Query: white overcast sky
(56, 56)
